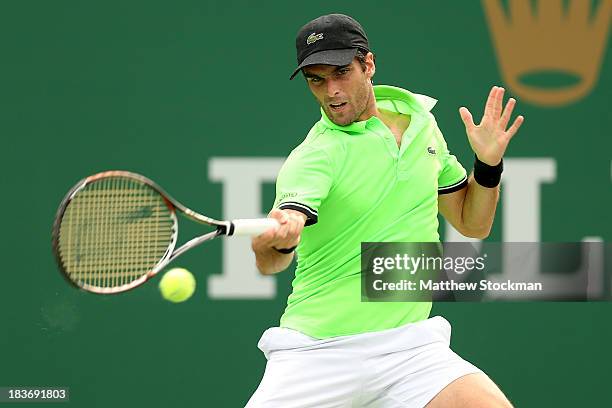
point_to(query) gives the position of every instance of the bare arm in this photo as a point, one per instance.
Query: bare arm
(268, 260)
(470, 210)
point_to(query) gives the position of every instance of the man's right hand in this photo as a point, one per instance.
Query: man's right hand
(287, 235)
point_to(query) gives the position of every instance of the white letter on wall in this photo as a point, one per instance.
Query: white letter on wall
(242, 179)
(521, 218)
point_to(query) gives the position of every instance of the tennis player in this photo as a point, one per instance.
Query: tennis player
(375, 168)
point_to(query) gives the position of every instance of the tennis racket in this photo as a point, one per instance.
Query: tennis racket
(115, 230)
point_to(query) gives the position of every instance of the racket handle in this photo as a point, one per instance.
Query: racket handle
(254, 226)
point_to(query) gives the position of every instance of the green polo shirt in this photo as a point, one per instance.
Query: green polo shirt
(355, 185)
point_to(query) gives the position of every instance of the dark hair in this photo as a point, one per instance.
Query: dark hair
(361, 57)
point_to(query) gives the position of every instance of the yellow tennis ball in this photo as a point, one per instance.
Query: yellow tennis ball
(177, 285)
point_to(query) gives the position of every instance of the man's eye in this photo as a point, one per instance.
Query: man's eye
(343, 71)
(315, 80)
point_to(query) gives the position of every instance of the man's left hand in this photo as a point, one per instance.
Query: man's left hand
(490, 138)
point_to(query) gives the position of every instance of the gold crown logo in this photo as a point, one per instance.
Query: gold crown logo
(551, 40)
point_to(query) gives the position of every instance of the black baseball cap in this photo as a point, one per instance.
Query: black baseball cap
(332, 39)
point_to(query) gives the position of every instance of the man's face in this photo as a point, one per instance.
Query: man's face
(343, 92)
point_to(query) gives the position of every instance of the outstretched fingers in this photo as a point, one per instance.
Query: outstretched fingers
(467, 119)
(515, 127)
(503, 123)
(499, 102)
(490, 104)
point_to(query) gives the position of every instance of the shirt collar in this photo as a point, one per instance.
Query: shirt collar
(407, 103)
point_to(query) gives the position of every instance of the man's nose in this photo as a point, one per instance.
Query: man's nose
(333, 87)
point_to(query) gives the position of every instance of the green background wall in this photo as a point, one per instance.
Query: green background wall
(161, 87)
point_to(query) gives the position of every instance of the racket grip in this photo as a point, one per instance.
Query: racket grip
(254, 226)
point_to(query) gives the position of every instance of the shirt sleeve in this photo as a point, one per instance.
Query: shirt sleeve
(303, 182)
(453, 176)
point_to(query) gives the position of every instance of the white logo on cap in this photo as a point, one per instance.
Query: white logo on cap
(314, 38)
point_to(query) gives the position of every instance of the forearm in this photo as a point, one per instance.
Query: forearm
(478, 209)
(269, 261)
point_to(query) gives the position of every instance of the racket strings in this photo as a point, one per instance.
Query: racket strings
(114, 231)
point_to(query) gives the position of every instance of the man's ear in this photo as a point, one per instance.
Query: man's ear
(370, 65)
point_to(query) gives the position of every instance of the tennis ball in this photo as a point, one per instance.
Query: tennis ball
(177, 285)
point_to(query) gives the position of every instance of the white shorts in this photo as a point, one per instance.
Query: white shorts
(402, 367)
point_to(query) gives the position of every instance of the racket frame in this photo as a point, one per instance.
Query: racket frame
(222, 228)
